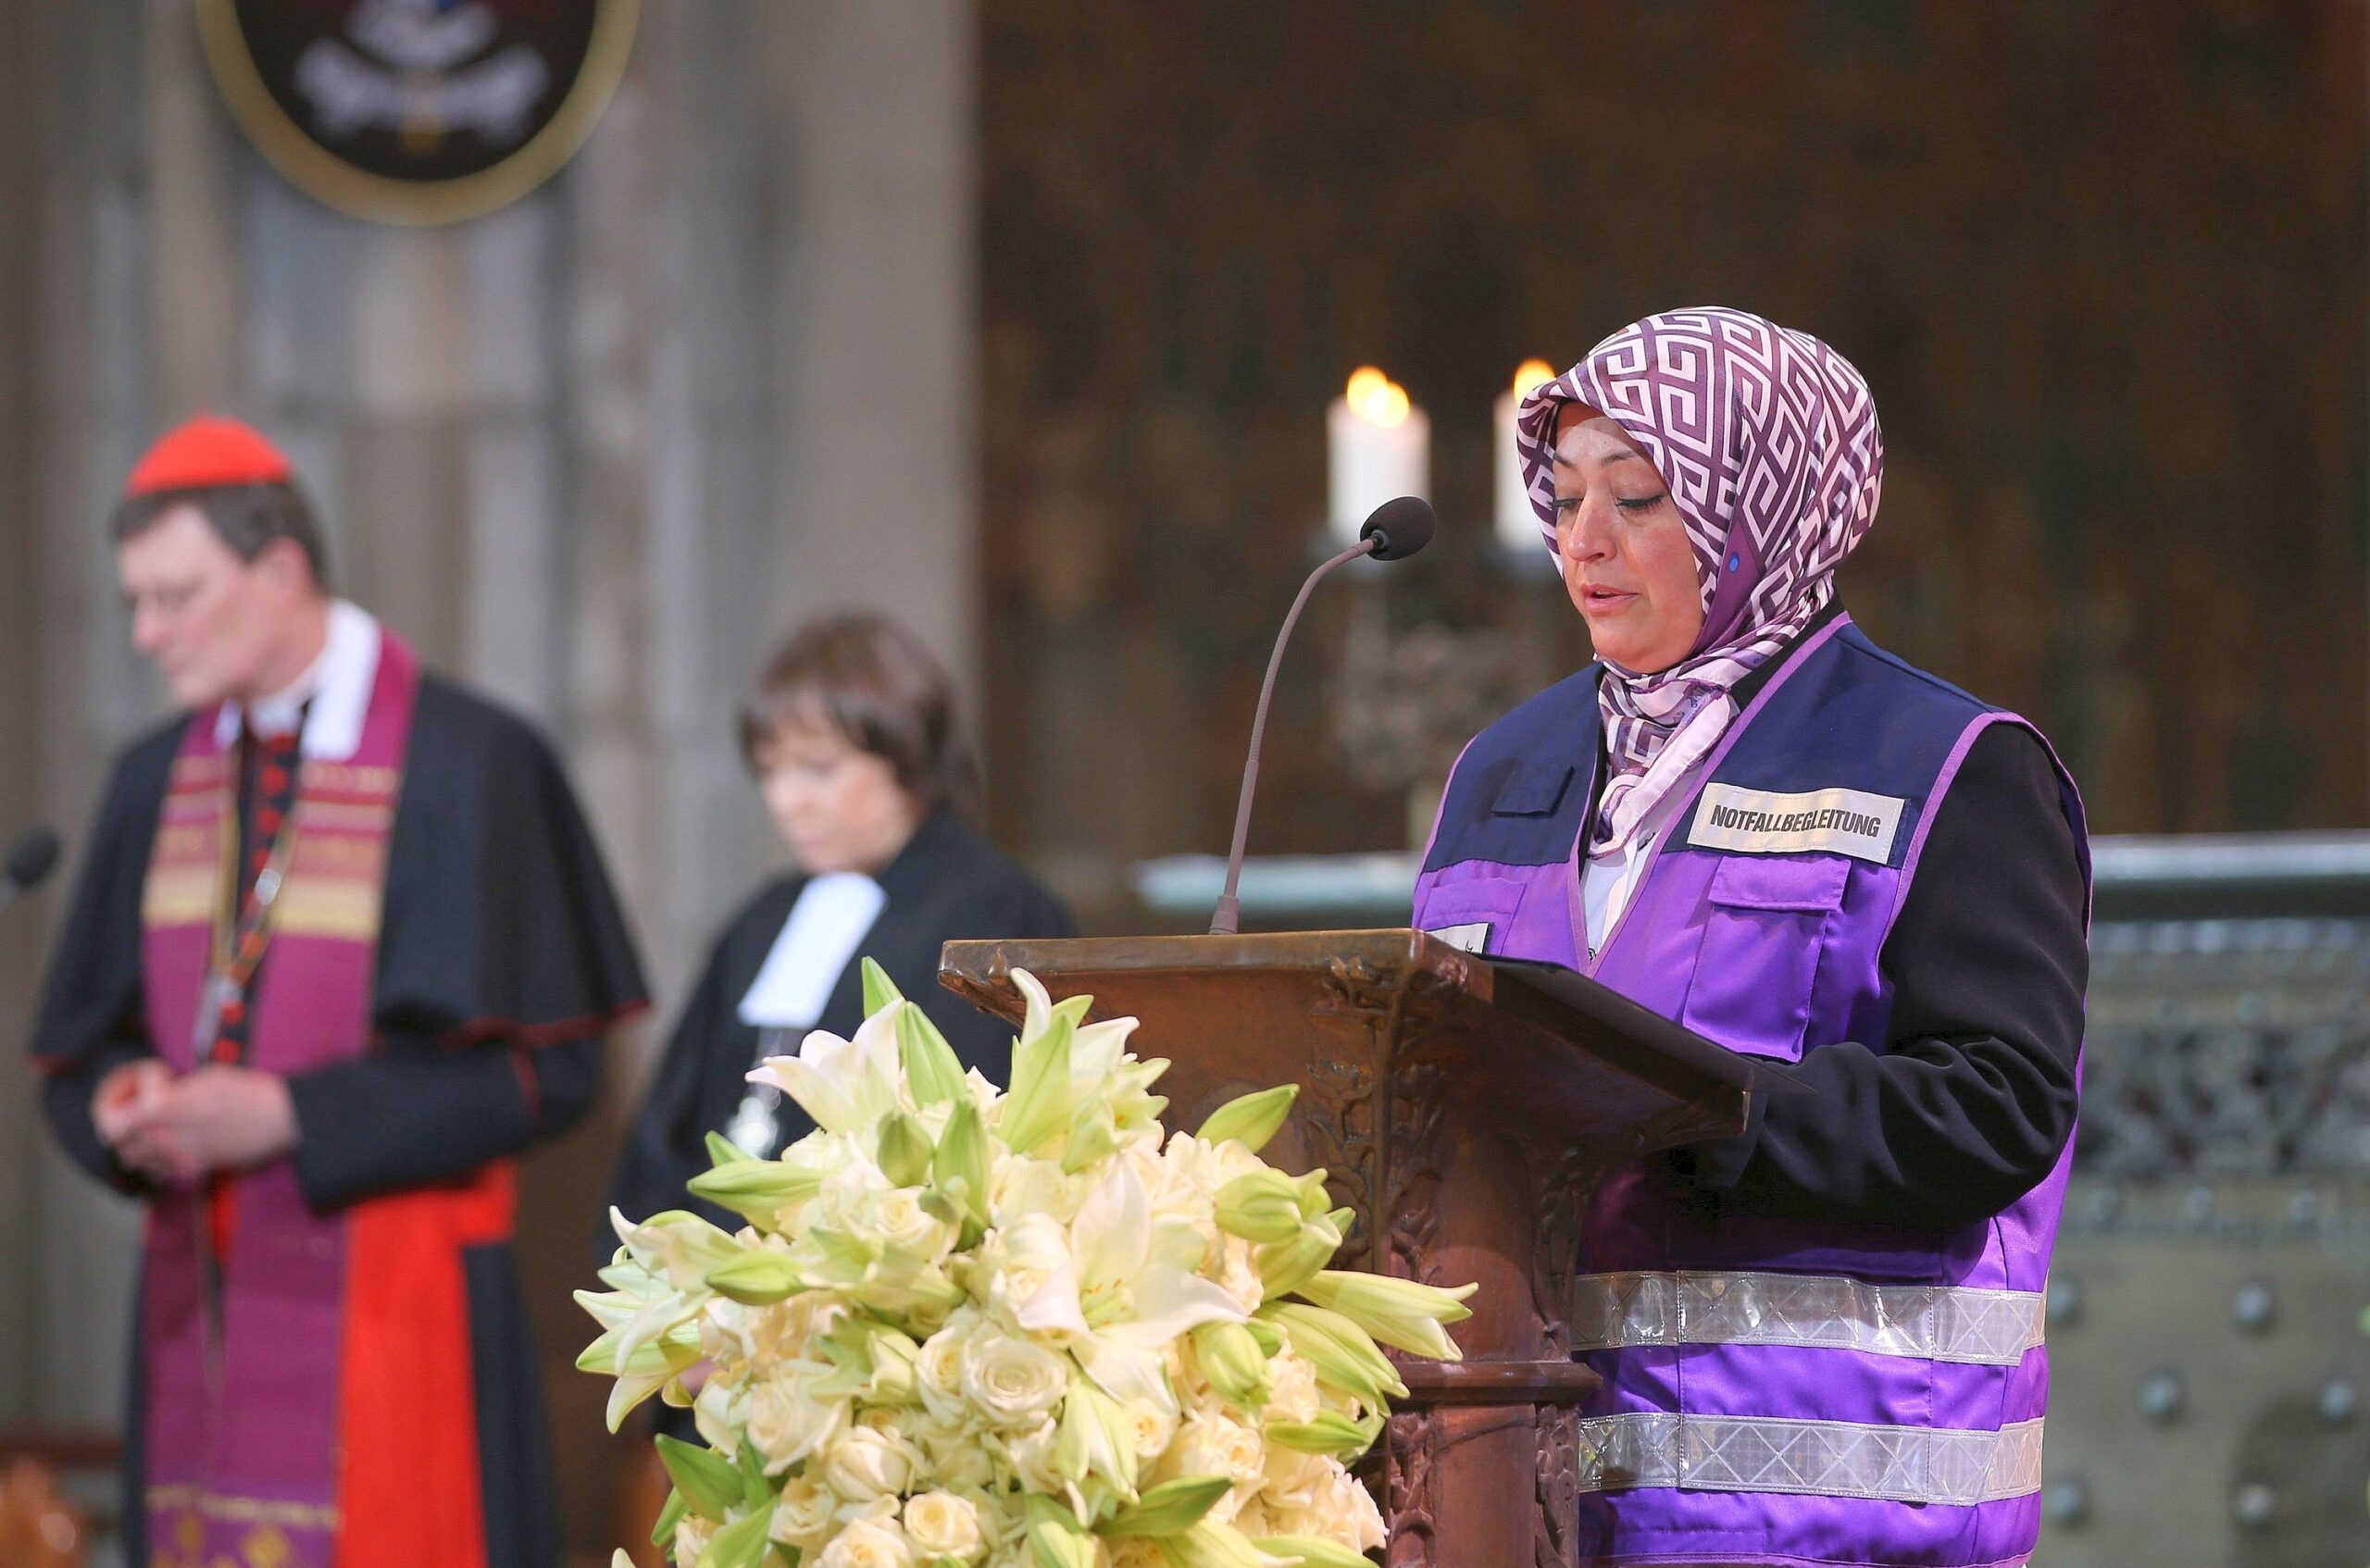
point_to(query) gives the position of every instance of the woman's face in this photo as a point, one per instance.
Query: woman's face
(1623, 545)
(838, 806)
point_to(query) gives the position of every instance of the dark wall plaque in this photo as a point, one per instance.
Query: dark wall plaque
(416, 111)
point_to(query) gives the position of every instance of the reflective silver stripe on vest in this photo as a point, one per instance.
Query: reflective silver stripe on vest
(1832, 1459)
(1815, 1311)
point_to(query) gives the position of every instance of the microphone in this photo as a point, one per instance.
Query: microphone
(1392, 531)
(30, 858)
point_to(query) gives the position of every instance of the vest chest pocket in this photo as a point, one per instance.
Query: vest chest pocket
(1473, 915)
(1764, 923)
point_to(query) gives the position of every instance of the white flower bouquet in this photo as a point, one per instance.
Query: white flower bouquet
(970, 1328)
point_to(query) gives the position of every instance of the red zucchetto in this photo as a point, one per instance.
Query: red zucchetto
(208, 451)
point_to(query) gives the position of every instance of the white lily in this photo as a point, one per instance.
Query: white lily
(1126, 1291)
(846, 1085)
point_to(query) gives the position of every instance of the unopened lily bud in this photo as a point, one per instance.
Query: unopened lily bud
(1094, 1438)
(932, 1070)
(1250, 1120)
(1054, 1537)
(1329, 1431)
(879, 990)
(1230, 1358)
(959, 1169)
(755, 1278)
(1344, 1354)
(1400, 1313)
(1314, 1552)
(1170, 1509)
(1261, 1206)
(1285, 1265)
(905, 1150)
(1093, 1137)
(1213, 1546)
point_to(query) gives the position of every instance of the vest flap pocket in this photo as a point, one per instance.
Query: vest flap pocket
(1472, 915)
(1533, 790)
(1764, 923)
(1807, 886)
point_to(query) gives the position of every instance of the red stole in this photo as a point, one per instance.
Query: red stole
(340, 1430)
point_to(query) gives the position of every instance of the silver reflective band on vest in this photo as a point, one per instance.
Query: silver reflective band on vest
(1812, 1311)
(1834, 1459)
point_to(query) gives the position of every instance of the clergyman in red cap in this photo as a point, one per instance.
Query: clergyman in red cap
(342, 948)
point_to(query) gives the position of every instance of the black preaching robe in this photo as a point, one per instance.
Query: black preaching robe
(502, 959)
(946, 884)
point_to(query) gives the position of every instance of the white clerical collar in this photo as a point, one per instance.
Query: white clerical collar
(337, 683)
(817, 943)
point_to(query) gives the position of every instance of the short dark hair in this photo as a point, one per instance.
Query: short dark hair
(245, 516)
(874, 682)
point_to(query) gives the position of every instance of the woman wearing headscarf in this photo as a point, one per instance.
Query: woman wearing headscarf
(1820, 1339)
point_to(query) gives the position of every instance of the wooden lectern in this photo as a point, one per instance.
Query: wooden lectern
(1465, 1108)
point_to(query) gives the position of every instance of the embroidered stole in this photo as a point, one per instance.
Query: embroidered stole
(307, 1392)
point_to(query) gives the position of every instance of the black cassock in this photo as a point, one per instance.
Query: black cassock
(946, 884)
(502, 959)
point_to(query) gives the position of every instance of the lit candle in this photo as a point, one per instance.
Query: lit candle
(1380, 446)
(1518, 525)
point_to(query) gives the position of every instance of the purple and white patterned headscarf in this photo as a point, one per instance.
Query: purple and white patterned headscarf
(1768, 440)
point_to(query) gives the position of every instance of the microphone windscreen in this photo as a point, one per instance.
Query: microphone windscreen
(1399, 527)
(31, 857)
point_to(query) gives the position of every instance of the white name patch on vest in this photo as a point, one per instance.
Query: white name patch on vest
(1836, 821)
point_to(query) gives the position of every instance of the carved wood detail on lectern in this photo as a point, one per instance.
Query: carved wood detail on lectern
(1558, 1487)
(1411, 1448)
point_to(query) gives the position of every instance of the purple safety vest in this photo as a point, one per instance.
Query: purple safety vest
(1775, 1390)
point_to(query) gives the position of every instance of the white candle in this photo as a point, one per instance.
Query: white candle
(1380, 447)
(1517, 525)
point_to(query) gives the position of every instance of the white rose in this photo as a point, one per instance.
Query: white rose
(1011, 1380)
(1149, 1427)
(865, 1544)
(937, 1367)
(899, 1220)
(1342, 1511)
(942, 1525)
(803, 1514)
(1211, 1444)
(1347, 1501)
(1295, 1481)
(692, 1535)
(866, 1463)
(786, 1423)
(1292, 1388)
(1138, 1551)
(1235, 1269)
(1030, 1456)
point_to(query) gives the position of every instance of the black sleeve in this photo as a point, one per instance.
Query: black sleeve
(666, 1143)
(499, 919)
(1973, 1100)
(90, 1017)
(414, 1111)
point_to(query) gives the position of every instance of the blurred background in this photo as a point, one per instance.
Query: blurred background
(1021, 318)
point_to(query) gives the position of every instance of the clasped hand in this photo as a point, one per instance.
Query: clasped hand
(177, 1127)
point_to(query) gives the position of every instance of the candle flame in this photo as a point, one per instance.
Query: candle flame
(1530, 375)
(1376, 398)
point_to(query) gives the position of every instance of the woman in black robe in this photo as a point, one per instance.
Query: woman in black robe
(852, 737)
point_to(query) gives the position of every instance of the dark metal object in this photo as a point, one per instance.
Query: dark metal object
(1465, 1109)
